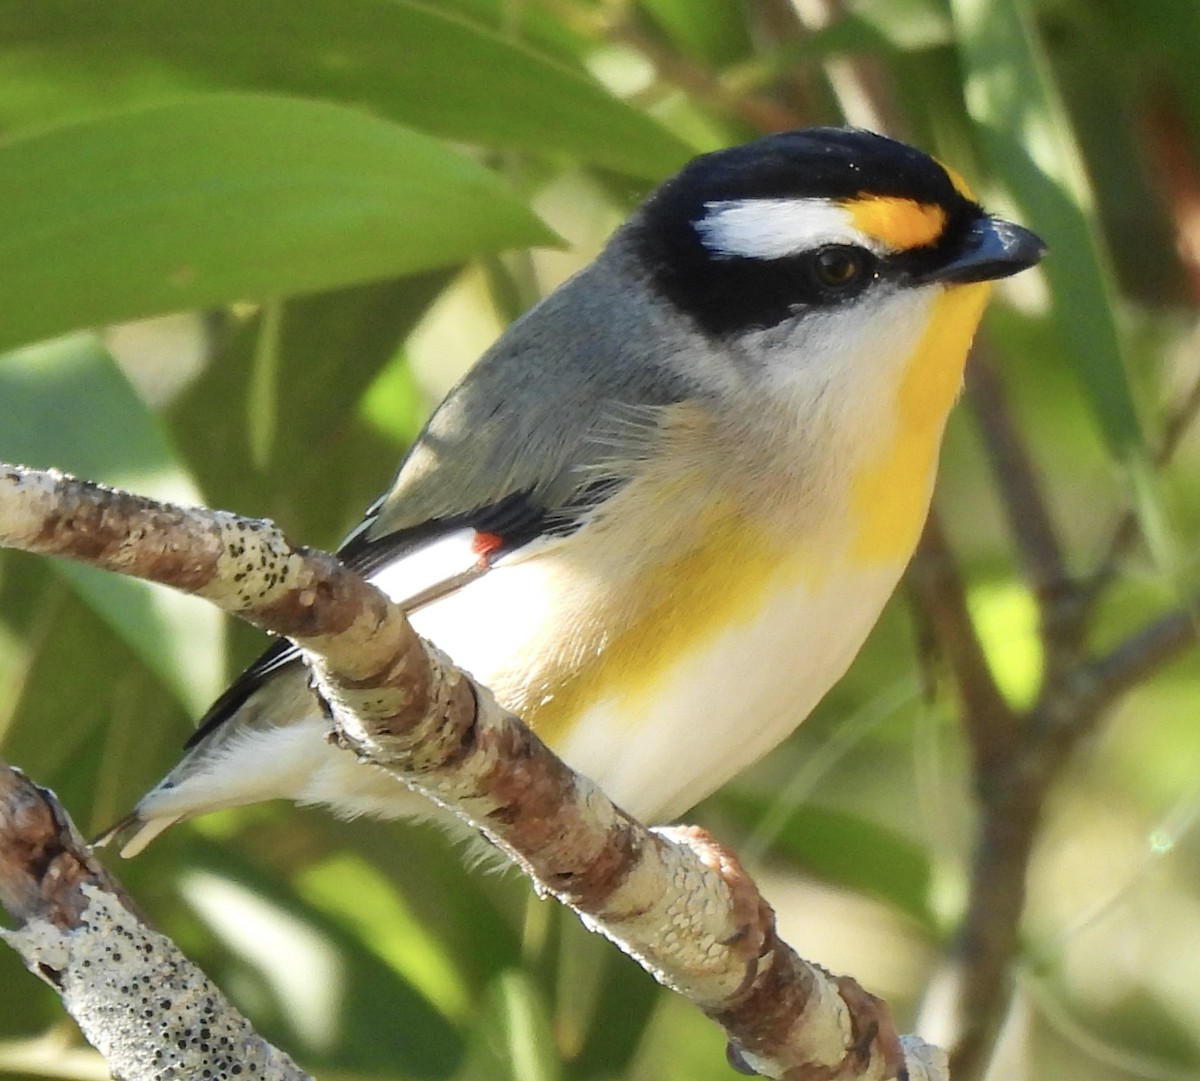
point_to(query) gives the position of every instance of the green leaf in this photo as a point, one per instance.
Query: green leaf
(386, 926)
(1027, 140)
(402, 60)
(395, 404)
(323, 465)
(474, 916)
(714, 31)
(327, 991)
(894, 29)
(65, 404)
(83, 713)
(532, 24)
(1005, 615)
(904, 24)
(1167, 34)
(851, 851)
(622, 1012)
(229, 197)
(513, 1039)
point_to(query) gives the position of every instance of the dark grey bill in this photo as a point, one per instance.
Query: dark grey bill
(992, 249)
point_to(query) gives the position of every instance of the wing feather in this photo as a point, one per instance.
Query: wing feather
(510, 524)
(517, 475)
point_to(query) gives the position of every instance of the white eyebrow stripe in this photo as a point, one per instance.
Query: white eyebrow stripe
(777, 228)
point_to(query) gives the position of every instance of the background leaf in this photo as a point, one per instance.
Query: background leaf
(1023, 132)
(66, 405)
(231, 197)
(405, 61)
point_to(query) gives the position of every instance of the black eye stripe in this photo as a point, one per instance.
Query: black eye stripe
(729, 291)
(735, 294)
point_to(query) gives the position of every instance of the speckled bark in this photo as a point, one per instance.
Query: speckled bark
(140, 1002)
(673, 898)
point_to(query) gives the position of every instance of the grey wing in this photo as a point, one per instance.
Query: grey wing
(549, 423)
(568, 399)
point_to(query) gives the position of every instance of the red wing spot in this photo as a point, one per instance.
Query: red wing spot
(485, 544)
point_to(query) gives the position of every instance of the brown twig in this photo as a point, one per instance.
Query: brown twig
(1012, 797)
(862, 83)
(1041, 554)
(1013, 794)
(756, 112)
(673, 899)
(1061, 600)
(937, 588)
(759, 113)
(1012, 786)
(1134, 660)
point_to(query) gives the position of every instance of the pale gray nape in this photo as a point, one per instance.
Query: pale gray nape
(545, 408)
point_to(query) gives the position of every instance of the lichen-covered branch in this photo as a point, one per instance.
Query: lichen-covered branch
(673, 899)
(137, 999)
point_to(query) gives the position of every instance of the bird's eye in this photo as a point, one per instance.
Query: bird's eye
(838, 266)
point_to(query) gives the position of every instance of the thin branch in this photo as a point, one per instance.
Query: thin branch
(1012, 791)
(758, 113)
(862, 83)
(937, 587)
(1179, 423)
(1134, 660)
(1061, 601)
(1012, 794)
(1009, 808)
(1024, 504)
(136, 998)
(1176, 426)
(673, 899)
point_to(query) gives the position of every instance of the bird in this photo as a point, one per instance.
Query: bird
(659, 517)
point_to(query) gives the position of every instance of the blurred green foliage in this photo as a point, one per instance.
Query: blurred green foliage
(329, 185)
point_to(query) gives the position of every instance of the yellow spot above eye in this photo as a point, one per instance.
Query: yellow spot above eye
(897, 223)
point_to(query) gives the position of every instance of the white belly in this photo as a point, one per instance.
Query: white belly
(722, 709)
(655, 752)
(698, 724)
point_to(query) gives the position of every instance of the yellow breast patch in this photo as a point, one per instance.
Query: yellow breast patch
(889, 495)
(626, 636)
(673, 609)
